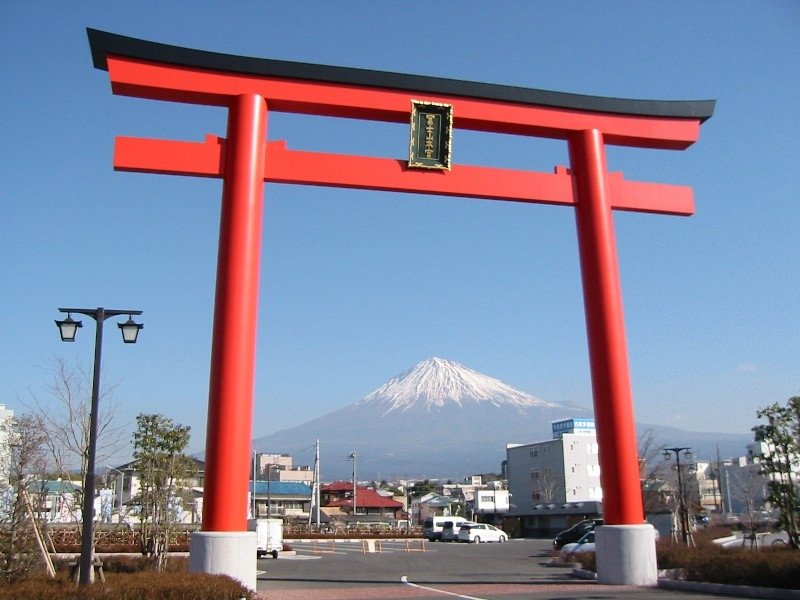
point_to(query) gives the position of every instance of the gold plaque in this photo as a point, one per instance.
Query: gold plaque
(431, 135)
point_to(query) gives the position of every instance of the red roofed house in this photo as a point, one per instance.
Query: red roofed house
(337, 498)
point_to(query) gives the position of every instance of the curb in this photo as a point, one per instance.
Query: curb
(719, 589)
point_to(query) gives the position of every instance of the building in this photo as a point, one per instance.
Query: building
(55, 501)
(555, 483)
(436, 505)
(478, 500)
(125, 485)
(288, 500)
(279, 467)
(6, 424)
(491, 503)
(370, 505)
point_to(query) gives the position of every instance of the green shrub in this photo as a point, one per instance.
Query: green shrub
(776, 568)
(710, 563)
(767, 567)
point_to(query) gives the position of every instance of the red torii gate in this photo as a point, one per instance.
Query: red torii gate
(250, 87)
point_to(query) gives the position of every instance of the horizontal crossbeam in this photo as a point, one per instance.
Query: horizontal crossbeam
(206, 159)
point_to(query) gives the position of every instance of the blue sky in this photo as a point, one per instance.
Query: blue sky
(358, 286)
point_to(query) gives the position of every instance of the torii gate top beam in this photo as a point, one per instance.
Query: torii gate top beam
(379, 95)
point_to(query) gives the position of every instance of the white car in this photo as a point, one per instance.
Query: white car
(585, 544)
(481, 532)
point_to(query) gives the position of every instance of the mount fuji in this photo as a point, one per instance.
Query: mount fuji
(438, 419)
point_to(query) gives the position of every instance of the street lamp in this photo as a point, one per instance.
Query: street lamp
(255, 479)
(684, 516)
(68, 328)
(270, 466)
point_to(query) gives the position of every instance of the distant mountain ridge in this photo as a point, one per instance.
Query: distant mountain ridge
(442, 419)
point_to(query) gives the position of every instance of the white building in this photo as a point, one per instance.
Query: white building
(6, 424)
(493, 501)
(279, 467)
(556, 482)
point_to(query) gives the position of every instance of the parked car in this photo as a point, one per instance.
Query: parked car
(450, 530)
(585, 544)
(576, 532)
(701, 520)
(481, 532)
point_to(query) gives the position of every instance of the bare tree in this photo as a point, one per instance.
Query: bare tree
(65, 418)
(748, 486)
(21, 545)
(650, 457)
(547, 487)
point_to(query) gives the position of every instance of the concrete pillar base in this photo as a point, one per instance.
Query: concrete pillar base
(230, 553)
(626, 555)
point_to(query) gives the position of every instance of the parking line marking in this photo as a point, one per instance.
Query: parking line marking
(404, 579)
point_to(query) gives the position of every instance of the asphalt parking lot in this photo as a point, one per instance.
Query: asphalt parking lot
(349, 570)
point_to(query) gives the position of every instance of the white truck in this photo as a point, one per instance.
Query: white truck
(269, 536)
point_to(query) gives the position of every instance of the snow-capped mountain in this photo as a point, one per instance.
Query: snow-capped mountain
(441, 419)
(435, 382)
(438, 418)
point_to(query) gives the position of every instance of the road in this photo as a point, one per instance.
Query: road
(515, 570)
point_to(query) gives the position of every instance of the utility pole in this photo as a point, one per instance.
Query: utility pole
(718, 486)
(353, 458)
(315, 492)
(316, 483)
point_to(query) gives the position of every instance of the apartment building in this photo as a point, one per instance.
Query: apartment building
(279, 467)
(555, 483)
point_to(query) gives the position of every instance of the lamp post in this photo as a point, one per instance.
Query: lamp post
(68, 328)
(255, 479)
(684, 517)
(270, 466)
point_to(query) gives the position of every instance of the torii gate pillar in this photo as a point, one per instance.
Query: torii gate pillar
(225, 545)
(626, 552)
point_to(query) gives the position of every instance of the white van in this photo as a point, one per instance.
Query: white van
(432, 526)
(451, 528)
(269, 536)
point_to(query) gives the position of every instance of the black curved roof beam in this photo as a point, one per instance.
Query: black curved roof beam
(103, 43)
